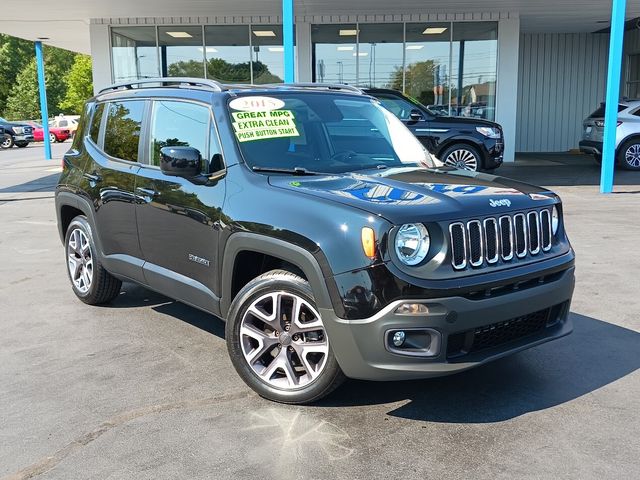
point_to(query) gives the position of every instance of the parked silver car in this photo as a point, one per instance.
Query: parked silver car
(627, 134)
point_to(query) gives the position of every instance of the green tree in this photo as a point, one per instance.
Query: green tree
(15, 53)
(23, 102)
(79, 85)
(418, 81)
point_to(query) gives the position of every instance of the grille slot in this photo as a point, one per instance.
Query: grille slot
(545, 230)
(474, 229)
(491, 240)
(458, 245)
(534, 232)
(485, 242)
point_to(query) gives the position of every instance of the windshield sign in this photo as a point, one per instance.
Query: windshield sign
(320, 132)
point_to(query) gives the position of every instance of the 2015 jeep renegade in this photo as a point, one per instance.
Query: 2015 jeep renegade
(313, 222)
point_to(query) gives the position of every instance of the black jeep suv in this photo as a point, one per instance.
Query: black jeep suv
(311, 220)
(467, 143)
(15, 133)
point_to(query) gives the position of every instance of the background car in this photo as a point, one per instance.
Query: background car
(627, 134)
(56, 134)
(466, 143)
(15, 133)
(67, 122)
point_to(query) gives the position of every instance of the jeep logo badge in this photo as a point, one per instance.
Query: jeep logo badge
(503, 202)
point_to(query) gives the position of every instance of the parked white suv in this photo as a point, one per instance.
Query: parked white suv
(627, 134)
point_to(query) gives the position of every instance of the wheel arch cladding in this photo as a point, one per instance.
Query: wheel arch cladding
(243, 245)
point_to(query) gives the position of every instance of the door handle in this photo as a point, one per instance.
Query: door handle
(92, 177)
(147, 193)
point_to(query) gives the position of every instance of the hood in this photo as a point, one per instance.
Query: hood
(403, 195)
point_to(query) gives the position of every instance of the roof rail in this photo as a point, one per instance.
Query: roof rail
(165, 81)
(328, 86)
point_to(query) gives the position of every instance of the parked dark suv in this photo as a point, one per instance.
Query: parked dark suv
(313, 222)
(15, 133)
(465, 143)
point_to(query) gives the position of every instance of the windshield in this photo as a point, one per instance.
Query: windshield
(321, 132)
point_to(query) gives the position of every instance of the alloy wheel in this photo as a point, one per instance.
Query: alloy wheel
(6, 142)
(462, 159)
(80, 261)
(52, 138)
(283, 340)
(632, 155)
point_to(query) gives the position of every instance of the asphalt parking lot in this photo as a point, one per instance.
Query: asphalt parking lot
(144, 389)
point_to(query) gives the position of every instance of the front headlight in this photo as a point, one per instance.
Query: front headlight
(490, 132)
(412, 243)
(17, 130)
(555, 220)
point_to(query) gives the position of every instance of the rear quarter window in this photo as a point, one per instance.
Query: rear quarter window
(96, 119)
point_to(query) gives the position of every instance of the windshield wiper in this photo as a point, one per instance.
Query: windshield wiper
(291, 171)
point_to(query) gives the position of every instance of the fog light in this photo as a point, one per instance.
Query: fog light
(412, 309)
(398, 338)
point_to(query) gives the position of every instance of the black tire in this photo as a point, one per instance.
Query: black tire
(104, 287)
(464, 150)
(631, 146)
(22, 144)
(277, 280)
(7, 141)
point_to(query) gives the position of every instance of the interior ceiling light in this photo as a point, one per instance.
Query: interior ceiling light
(348, 33)
(179, 34)
(346, 48)
(264, 33)
(361, 54)
(209, 49)
(434, 30)
(414, 47)
(276, 49)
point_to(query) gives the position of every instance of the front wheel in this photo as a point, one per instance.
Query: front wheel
(277, 340)
(7, 141)
(462, 157)
(629, 155)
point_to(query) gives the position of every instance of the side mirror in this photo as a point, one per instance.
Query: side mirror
(180, 161)
(415, 116)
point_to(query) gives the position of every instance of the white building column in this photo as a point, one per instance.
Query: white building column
(100, 56)
(507, 82)
(303, 47)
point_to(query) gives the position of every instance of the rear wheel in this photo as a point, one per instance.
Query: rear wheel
(629, 154)
(463, 157)
(277, 341)
(7, 141)
(53, 138)
(89, 280)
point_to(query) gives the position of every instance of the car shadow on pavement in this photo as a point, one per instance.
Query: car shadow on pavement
(43, 184)
(596, 354)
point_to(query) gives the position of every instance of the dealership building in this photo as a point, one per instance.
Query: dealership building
(536, 67)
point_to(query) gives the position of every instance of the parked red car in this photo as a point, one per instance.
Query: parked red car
(56, 134)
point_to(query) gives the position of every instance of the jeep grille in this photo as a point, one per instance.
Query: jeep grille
(479, 243)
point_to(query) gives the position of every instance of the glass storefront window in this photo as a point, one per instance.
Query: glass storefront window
(335, 55)
(427, 64)
(380, 55)
(181, 52)
(267, 54)
(228, 54)
(133, 53)
(474, 69)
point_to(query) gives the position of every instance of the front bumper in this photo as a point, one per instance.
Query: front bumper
(493, 152)
(361, 346)
(23, 138)
(590, 147)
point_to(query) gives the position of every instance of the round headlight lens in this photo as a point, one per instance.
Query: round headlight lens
(412, 243)
(555, 220)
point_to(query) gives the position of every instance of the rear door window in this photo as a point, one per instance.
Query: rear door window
(122, 135)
